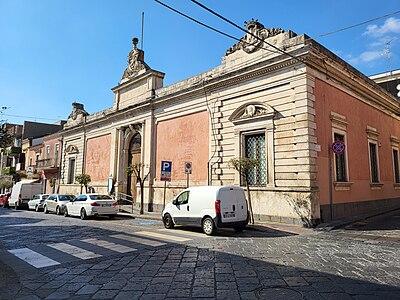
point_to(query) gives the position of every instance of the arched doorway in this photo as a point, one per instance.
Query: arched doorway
(133, 158)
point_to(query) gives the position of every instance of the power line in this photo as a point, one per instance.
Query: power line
(355, 25)
(27, 117)
(207, 26)
(237, 26)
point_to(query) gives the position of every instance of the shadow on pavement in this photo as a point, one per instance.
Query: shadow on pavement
(388, 221)
(259, 270)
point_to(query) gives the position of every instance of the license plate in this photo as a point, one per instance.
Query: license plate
(106, 205)
(229, 215)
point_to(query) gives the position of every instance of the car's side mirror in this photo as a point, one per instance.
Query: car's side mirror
(175, 202)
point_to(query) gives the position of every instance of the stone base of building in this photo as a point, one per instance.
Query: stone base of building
(367, 208)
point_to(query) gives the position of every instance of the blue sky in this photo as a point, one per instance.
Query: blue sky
(55, 52)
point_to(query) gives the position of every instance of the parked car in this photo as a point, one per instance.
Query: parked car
(4, 199)
(22, 192)
(209, 207)
(37, 202)
(86, 205)
(55, 203)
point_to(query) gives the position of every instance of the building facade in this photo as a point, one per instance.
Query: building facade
(281, 99)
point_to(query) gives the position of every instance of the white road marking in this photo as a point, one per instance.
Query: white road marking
(185, 232)
(74, 251)
(163, 236)
(138, 240)
(33, 258)
(109, 245)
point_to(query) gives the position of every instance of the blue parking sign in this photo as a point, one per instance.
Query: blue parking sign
(166, 170)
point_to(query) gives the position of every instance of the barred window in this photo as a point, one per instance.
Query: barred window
(373, 158)
(255, 149)
(71, 171)
(396, 165)
(340, 161)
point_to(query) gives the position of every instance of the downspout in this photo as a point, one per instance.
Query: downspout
(152, 159)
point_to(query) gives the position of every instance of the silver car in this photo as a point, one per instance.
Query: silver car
(56, 203)
(37, 202)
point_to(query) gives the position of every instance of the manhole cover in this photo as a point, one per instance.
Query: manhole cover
(279, 294)
(147, 223)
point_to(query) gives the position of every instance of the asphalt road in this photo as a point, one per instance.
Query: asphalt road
(53, 257)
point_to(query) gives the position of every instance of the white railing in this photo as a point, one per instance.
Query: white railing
(123, 199)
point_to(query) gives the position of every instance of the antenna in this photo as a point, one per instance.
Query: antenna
(387, 53)
(141, 40)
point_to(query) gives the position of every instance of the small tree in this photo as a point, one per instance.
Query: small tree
(83, 180)
(5, 137)
(137, 170)
(243, 165)
(52, 183)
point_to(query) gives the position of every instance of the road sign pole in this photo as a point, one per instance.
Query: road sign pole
(187, 180)
(165, 190)
(330, 184)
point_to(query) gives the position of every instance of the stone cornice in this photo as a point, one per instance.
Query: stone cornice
(336, 69)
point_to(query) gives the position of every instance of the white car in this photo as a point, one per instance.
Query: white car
(37, 201)
(86, 205)
(56, 202)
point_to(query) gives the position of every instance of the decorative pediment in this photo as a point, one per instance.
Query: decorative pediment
(71, 149)
(136, 63)
(250, 43)
(252, 111)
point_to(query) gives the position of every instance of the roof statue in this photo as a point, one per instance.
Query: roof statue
(135, 62)
(249, 43)
(77, 115)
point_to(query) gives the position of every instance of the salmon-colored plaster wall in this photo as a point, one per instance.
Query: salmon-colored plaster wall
(184, 139)
(358, 115)
(98, 157)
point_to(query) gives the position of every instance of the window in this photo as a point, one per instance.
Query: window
(71, 171)
(47, 152)
(255, 148)
(340, 160)
(30, 161)
(373, 158)
(56, 151)
(396, 165)
(182, 198)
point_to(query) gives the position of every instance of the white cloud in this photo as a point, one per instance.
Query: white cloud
(391, 25)
(367, 57)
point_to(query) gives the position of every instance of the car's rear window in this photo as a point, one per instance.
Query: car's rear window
(100, 197)
(66, 197)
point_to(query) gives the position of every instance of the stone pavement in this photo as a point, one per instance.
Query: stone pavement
(259, 264)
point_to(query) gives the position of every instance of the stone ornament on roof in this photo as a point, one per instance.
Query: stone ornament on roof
(135, 62)
(249, 43)
(77, 116)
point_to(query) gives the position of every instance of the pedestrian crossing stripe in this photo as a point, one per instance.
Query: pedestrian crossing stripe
(162, 236)
(39, 260)
(74, 251)
(109, 245)
(138, 240)
(185, 232)
(33, 258)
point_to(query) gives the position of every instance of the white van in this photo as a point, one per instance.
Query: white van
(209, 207)
(22, 192)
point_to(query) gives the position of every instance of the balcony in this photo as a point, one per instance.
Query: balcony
(48, 163)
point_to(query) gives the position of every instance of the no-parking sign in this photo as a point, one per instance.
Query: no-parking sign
(188, 167)
(338, 147)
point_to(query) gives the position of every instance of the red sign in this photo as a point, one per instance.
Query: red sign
(338, 147)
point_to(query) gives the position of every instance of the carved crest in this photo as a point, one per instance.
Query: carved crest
(71, 149)
(135, 62)
(255, 37)
(251, 111)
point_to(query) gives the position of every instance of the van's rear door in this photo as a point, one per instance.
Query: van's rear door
(233, 204)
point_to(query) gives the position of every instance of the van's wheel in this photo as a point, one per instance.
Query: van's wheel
(167, 220)
(239, 228)
(45, 210)
(37, 208)
(208, 226)
(83, 214)
(65, 212)
(57, 210)
(16, 206)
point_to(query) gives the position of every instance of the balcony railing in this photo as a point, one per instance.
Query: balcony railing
(48, 163)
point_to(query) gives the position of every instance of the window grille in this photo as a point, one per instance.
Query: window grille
(340, 161)
(396, 165)
(255, 149)
(374, 163)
